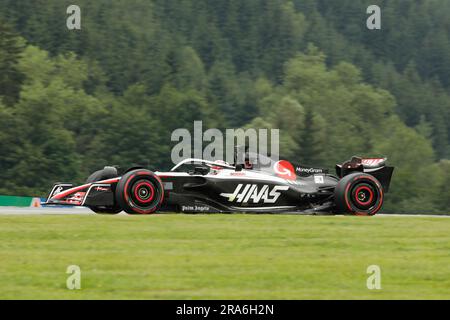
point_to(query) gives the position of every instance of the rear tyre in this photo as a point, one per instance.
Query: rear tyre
(106, 210)
(140, 192)
(359, 194)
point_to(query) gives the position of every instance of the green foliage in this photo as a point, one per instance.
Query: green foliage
(442, 198)
(312, 139)
(11, 47)
(111, 93)
(415, 178)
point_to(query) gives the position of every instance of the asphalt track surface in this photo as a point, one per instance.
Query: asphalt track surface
(86, 211)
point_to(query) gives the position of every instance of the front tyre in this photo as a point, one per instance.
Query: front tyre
(359, 194)
(140, 192)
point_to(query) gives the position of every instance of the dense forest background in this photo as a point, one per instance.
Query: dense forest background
(112, 92)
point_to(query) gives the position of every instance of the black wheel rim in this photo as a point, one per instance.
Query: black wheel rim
(364, 196)
(144, 194)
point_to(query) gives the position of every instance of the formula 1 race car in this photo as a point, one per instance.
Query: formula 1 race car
(201, 186)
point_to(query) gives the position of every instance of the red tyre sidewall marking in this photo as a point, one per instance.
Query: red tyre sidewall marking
(126, 187)
(150, 210)
(162, 188)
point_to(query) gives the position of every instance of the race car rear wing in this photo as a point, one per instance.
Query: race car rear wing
(374, 166)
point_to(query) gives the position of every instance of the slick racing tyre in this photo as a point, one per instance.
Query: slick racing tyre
(140, 192)
(359, 194)
(106, 210)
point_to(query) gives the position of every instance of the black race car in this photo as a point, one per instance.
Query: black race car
(258, 185)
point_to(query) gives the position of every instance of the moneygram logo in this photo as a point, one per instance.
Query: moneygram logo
(309, 170)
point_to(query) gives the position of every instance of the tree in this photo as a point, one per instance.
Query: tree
(72, 102)
(313, 139)
(412, 156)
(11, 46)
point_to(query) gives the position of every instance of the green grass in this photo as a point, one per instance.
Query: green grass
(224, 257)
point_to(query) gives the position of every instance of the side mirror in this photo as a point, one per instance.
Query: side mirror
(238, 167)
